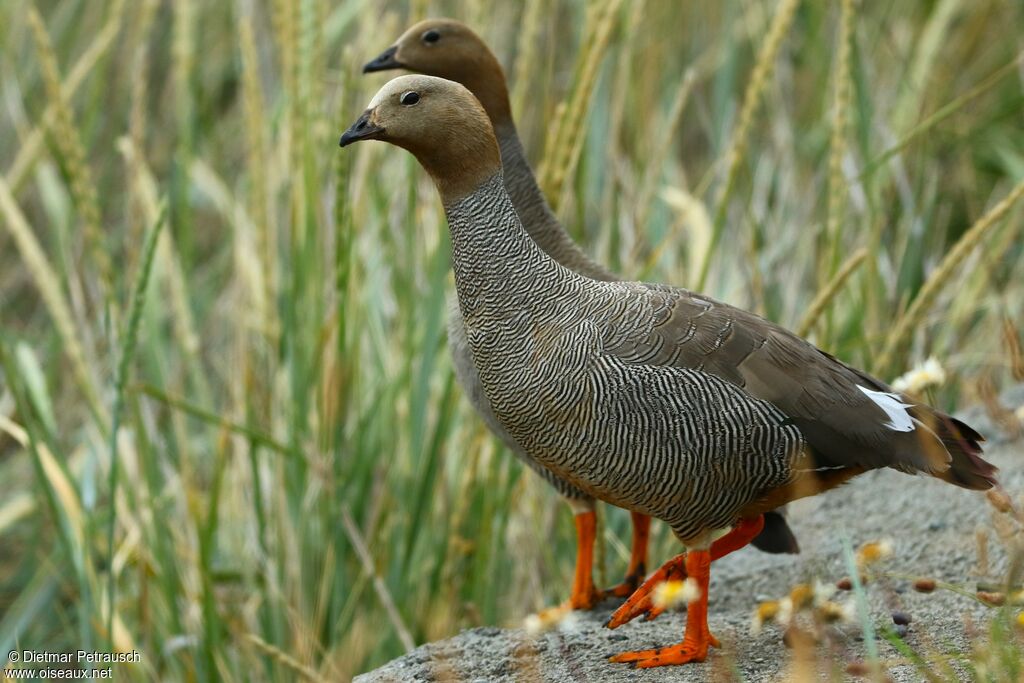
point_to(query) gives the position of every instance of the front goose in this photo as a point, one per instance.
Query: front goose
(610, 384)
(450, 49)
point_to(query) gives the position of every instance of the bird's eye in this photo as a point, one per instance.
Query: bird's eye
(409, 98)
(431, 36)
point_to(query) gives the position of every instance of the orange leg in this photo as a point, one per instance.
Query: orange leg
(697, 638)
(640, 602)
(637, 557)
(584, 595)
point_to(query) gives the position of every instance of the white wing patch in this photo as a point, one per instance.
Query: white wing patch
(899, 418)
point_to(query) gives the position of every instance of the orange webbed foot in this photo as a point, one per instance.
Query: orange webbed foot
(683, 653)
(626, 587)
(586, 598)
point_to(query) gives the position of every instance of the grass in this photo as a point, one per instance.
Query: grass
(298, 487)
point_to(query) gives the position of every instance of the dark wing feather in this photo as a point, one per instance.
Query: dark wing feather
(819, 393)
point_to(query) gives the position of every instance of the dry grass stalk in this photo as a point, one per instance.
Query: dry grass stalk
(283, 24)
(661, 145)
(169, 263)
(137, 116)
(356, 538)
(1011, 339)
(30, 148)
(1003, 416)
(751, 102)
(182, 48)
(826, 295)
(255, 125)
(837, 145)
(943, 275)
(68, 142)
(139, 83)
(48, 283)
(283, 658)
(526, 54)
(566, 138)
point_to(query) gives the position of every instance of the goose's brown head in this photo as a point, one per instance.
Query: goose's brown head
(441, 123)
(449, 49)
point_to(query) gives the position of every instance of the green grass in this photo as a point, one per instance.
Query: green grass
(291, 370)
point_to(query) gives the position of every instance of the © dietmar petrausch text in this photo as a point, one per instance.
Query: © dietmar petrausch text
(75, 665)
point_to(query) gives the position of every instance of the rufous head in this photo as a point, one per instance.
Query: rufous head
(441, 123)
(449, 49)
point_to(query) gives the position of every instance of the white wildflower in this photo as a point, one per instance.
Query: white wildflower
(832, 612)
(928, 374)
(547, 619)
(822, 591)
(785, 613)
(533, 624)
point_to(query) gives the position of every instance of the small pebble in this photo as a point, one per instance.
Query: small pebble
(994, 599)
(900, 618)
(857, 669)
(845, 584)
(924, 585)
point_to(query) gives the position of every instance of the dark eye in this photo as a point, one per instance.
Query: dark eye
(431, 36)
(409, 98)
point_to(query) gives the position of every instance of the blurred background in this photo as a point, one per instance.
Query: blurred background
(199, 287)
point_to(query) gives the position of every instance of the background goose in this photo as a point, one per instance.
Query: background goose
(595, 380)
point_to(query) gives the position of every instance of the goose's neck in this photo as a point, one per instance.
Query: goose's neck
(537, 218)
(496, 263)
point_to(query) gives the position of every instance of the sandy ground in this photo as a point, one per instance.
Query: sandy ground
(933, 527)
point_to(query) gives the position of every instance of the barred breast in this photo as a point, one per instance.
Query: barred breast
(469, 379)
(677, 444)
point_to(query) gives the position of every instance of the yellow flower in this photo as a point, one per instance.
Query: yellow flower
(669, 594)
(765, 612)
(801, 595)
(831, 612)
(873, 552)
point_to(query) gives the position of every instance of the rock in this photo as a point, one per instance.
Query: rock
(883, 504)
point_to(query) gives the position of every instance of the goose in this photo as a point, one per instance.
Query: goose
(450, 49)
(653, 398)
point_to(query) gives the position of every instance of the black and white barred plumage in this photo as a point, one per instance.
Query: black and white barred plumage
(545, 229)
(675, 443)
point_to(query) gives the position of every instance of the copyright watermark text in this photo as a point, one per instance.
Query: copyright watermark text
(80, 664)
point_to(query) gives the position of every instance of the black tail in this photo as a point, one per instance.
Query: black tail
(776, 536)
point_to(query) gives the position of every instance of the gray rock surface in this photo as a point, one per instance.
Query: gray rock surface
(934, 529)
